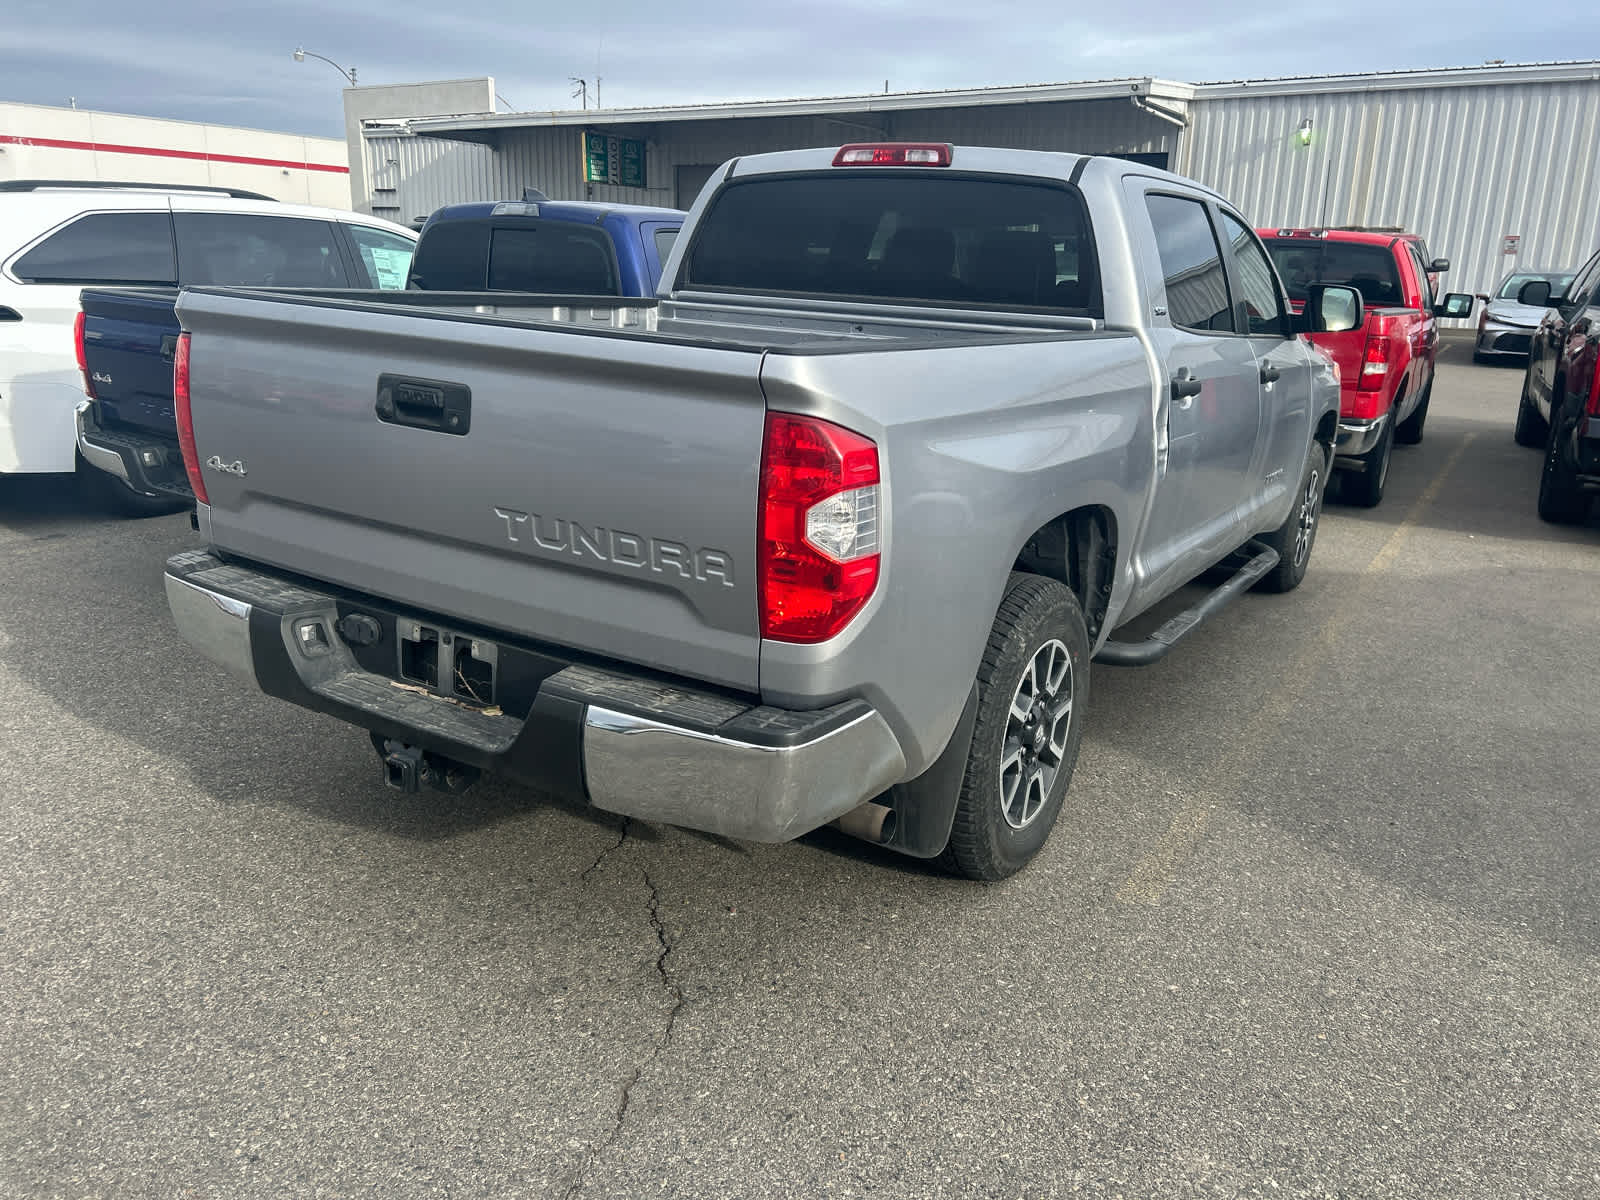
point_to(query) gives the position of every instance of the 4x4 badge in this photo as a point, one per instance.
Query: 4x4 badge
(236, 467)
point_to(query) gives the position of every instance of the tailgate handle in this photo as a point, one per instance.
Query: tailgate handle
(424, 404)
(169, 346)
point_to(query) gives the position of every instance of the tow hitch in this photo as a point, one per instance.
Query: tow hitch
(406, 768)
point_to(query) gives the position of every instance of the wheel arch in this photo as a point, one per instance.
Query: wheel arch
(1078, 548)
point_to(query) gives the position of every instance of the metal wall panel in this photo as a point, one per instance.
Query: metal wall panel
(408, 177)
(1462, 166)
(551, 158)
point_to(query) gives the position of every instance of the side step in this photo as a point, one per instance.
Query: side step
(1142, 654)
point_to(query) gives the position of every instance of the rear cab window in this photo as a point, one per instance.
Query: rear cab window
(1370, 269)
(515, 256)
(110, 247)
(911, 236)
(552, 256)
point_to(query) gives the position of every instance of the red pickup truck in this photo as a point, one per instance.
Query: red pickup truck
(1386, 366)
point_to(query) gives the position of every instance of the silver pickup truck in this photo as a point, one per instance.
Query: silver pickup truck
(829, 531)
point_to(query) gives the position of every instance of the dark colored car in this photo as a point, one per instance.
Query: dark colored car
(1560, 404)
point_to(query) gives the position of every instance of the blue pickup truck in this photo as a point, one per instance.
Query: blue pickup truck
(128, 428)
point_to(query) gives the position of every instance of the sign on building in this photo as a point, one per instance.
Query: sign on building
(1509, 243)
(614, 160)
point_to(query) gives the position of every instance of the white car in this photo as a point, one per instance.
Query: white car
(58, 237)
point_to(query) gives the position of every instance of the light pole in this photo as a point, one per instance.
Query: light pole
(301, 54)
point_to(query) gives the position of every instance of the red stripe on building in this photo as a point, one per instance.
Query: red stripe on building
(160, 152)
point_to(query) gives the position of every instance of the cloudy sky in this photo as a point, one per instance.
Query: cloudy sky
(231, 62)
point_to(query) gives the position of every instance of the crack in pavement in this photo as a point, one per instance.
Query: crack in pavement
(672, 988)
(622, 836)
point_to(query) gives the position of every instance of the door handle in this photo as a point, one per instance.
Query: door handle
(1270, 373)
(1185, 387)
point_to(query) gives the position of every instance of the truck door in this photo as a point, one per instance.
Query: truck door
(1261, 310)
(1211, 409)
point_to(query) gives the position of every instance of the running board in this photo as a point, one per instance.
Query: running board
(1142, 654)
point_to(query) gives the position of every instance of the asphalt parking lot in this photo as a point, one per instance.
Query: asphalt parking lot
(1321, 917)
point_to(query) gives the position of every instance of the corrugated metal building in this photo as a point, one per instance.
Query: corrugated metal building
(43, 142)
(1468, 157)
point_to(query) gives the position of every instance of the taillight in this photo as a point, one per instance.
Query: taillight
(180, 396)
(818, 543)
(1374, 365)
(1593, 407)
(893, 154)
(83, 357)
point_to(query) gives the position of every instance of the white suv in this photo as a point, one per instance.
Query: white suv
(58, 237)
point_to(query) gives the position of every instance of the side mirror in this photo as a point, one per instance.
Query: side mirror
(1456, 306)
(1330, 309)
(1535, 293)
(1440, 265)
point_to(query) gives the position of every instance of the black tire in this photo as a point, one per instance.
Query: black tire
(106, 491)
(1532, 430)
(1409, 431)
(1561, 500)
(1037, 616)
(1294, 551)
(1364, 488)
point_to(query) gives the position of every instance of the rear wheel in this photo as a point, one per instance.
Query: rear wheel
(1294, 539)
(1365, 487)
(1033, 683)
(1532, 429)
(1561, 500)
(1409, 431)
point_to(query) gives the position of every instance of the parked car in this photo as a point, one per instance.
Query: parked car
(56, 237)
(1386, 366)
(127, 426)
(1505, 324)
(574, 248)
(829, 532)
(1560, 404)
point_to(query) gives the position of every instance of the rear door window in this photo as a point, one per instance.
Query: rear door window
(1191, 264)
(913, 236)
(552, 257)
(245, 250)
(119, 247)
(1257, 283)
(385, 257)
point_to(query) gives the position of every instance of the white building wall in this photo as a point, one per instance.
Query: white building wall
(1462, 166)
(41, 142)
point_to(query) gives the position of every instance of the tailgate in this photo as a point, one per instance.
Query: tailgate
(128, 341)
(594, 491)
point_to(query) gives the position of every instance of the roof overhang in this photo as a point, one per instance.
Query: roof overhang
(1380, 81)
(488, 127)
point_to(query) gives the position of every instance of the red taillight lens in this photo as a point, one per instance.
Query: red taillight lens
(1593, 407)
(1374, 365)
(180, 396)
(893, 154)
(83, 357)
(819, 544)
